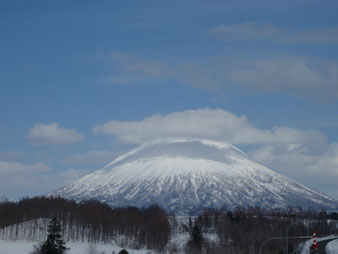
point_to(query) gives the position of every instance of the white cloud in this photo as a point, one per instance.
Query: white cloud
(11, 155)
(304, 155)
(268, 32)
(22, 178)
(294, 76)
(214, 124)
(122, 79)
(203, 76)
(52, 134)
(19, 179)
(9, 167)
(302, 77)
(68, 176)
(91, 157)
(151, 68)
(316, 168)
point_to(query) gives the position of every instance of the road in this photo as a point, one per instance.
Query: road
(322, 244)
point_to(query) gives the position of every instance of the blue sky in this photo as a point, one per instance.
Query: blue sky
(79, 80)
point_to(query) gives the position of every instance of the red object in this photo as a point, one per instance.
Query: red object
(314, 244)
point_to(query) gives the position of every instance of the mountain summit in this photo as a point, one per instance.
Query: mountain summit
(182, 176)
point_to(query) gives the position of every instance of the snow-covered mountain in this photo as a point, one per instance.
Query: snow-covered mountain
(186, 175)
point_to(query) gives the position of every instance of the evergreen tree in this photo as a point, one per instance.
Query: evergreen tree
(190, 224)
(54, 243)
(124, 251)
(196, 239)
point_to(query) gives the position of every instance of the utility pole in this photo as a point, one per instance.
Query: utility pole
(286, 236)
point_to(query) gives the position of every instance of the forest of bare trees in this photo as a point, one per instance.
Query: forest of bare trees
(241, 230)
(93, 221)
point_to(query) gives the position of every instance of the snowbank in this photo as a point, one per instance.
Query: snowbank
(332, 247)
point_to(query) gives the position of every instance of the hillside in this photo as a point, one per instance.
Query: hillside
(185, 176)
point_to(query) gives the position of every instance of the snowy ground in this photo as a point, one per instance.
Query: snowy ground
(306, 246)
(35, 231)
(332, 247)
(22, 247)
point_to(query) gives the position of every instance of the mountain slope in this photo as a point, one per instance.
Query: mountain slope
(184, 175)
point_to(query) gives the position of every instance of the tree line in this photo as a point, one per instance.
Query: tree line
(93, 221)
(241, 230)
(244, 229)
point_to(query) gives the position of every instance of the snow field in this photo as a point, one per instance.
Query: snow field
(24, 247)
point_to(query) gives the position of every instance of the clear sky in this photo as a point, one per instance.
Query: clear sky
(84, 81)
